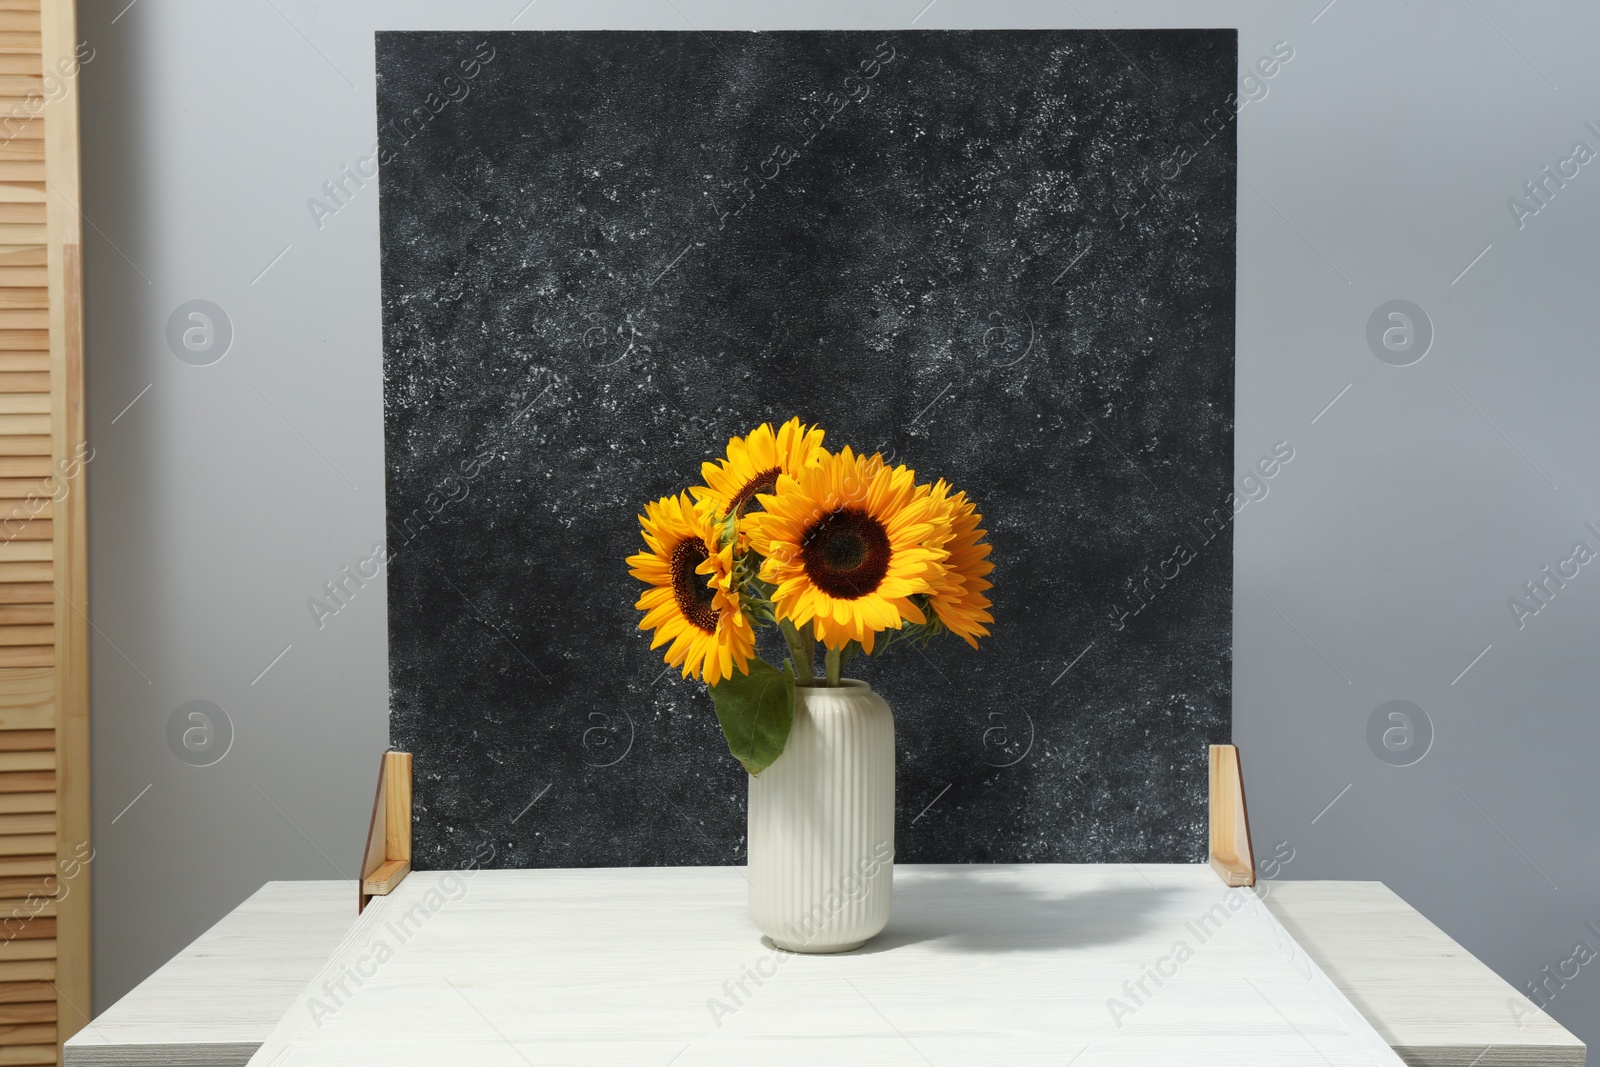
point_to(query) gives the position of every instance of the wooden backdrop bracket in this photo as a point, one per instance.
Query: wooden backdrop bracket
(387, 858)
(1231, 855)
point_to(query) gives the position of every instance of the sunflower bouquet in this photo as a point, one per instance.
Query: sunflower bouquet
(833, 548)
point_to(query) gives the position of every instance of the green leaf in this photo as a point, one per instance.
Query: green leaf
(756, 711)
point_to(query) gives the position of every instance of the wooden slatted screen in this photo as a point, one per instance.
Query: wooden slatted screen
(44, 764)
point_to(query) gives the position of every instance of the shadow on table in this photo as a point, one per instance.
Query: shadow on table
(968, 913)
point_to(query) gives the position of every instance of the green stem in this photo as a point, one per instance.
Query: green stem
(797, 652)
(808, 645)
(833, 666)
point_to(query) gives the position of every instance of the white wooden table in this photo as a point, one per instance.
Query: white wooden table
(1016, 965)
(1431, 999)
(213, 1004)
(978, 965)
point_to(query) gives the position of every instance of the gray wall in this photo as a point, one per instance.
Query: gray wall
(1379, 565)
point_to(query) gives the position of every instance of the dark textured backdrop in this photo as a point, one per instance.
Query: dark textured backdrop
(1007, 258)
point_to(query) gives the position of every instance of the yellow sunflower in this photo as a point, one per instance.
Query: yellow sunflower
(754, 462)
(845, 542)
(691, 601)
(957, 592)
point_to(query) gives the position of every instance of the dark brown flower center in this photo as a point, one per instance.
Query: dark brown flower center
(765, 482)
(695, 598)
(846, 553)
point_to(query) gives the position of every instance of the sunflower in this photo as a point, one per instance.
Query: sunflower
(754, 462)
(846, 546)
(957, 592)
(692, 601)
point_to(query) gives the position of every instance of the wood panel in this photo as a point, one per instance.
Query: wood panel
(27, 888)
(26, 950)
(1231, 854)
(387, 857)
(27, 844)
(13, 425)
(27, 781)
(27, 913)
(27, 613)
(16, 865)
(11, 1036)
(26, 572)
(29, 509)
(44, 813)
(30, 1012)
(28, 970)
(27, 694)
(26, 740)
(21, 528)
(44, 763)
(29, 821)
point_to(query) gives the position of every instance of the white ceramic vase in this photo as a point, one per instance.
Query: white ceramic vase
(821, 824)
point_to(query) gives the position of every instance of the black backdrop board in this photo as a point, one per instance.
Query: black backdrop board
(1005, 258)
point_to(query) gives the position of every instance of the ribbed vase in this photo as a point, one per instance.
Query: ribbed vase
(821, 824)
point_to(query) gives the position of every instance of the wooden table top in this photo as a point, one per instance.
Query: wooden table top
(1431, 999)
(213, 1004)
(979, 964)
